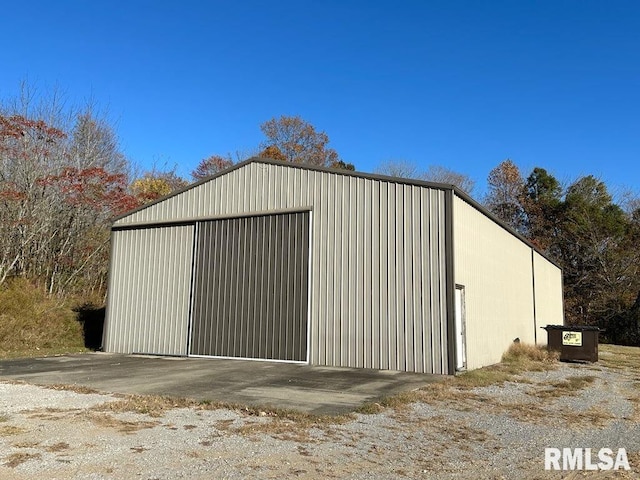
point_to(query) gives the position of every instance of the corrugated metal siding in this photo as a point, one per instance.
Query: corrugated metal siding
(377, 266)
(495, 268)
(149, 288)
(251, 288)
(548, 291)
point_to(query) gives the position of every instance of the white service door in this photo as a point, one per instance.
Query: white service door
(461, 354)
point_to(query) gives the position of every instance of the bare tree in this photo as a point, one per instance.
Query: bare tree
(93, 143)
(399, 168)
(440, 174)
(629, 200)
(434, 173)
(505, 195)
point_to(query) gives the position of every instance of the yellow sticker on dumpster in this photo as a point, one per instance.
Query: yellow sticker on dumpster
(572, 338)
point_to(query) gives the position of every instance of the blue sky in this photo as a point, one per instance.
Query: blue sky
(464, 84)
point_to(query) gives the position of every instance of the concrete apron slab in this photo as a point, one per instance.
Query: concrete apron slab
(317, 390)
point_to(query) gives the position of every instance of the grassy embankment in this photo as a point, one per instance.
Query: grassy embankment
(33, 323)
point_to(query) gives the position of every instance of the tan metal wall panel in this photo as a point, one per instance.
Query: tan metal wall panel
(377, 277)
(548, 294)
(495, 268)
(149, 288)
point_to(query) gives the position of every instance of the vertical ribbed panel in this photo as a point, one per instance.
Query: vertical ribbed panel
(149, 288)
(548, 295)
(378, 291)
(251, 288)
(494, 266)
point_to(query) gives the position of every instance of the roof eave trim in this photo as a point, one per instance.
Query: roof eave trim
(268, 161)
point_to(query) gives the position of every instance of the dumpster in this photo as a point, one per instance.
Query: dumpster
(576, 343)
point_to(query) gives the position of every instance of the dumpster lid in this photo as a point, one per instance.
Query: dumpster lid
(580, 328)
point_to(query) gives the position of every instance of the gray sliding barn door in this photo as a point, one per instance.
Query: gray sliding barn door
(250, 293)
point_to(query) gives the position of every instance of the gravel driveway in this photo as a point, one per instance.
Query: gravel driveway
(490, 432)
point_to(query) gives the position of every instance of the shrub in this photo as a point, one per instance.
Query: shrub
(523, 353)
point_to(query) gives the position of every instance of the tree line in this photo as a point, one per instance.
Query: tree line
(64, 178)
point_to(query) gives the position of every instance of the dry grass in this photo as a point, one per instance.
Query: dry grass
(595, 415)
(619, 357)
(10, 430)
(447, 390)
(158, 405)
(527, 355)
(73, 388)
(544, 413)
(565, 388)
(38, 352)
(438, 427)
(635, 400)
(50, 413)
(33, 323)
(15, 459)
(462, 432)
(280, 429)
(634, 459)
(224, 424)
(122, 426)
(525, 411)
(483, 377)
(152, 405)
(26, 444)
(97, 418)
(279, 423)
(370, 408)
(284, 425)
(399, 401)
(518, 359)
(57, 447)
(625, 360)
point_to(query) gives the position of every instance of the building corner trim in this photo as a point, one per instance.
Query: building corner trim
(108, 297)
(533, 278)
(450, 282)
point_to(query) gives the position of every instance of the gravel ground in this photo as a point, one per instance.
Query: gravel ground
(490, 432)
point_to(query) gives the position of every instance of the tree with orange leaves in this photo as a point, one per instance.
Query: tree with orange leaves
(292, 139)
